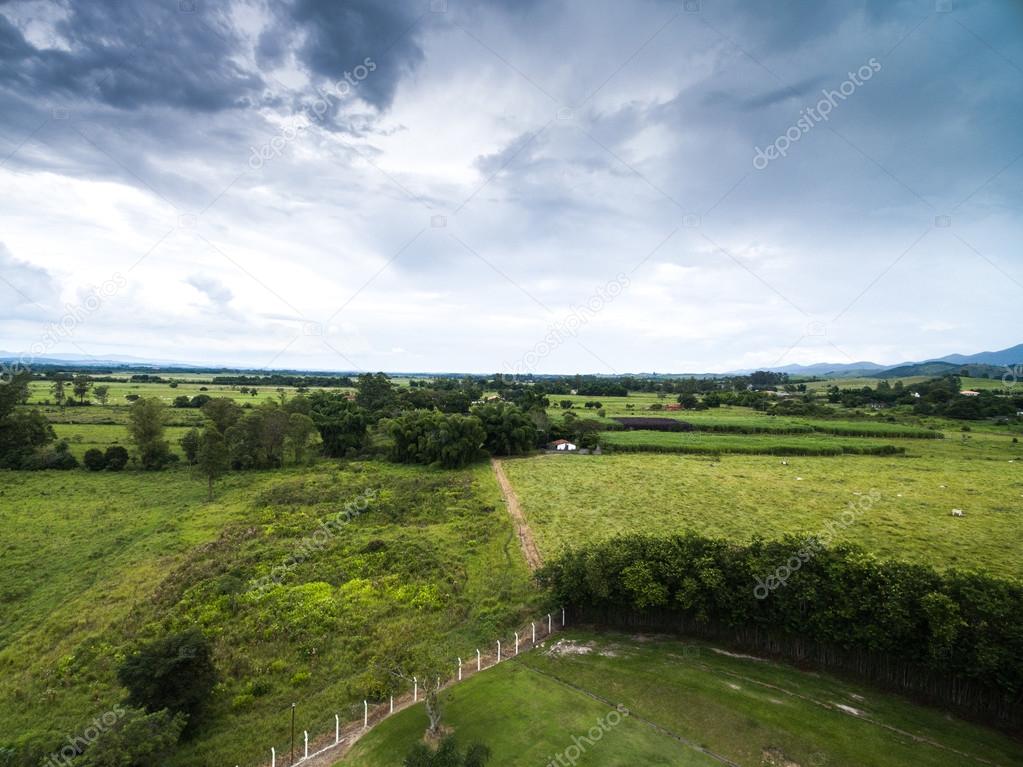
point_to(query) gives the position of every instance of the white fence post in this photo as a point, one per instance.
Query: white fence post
(337, 729)
(534, 632)
(392, 704)
(415, 689)
(562, 617)
(479, 660)
(516, 642)
(306, 744)
(459, 669)
(498, 650)
(273, 757)
(549, 629)
(365, 713)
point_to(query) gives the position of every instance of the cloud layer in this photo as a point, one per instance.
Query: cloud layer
(433, 186)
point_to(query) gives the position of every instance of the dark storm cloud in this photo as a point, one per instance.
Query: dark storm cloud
(336, 37)
(131, 55)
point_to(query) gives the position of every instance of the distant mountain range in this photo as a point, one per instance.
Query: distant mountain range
(981, 365)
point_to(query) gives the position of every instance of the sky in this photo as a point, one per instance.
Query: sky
(510, 186)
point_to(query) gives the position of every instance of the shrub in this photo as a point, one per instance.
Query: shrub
(116, 458)
(137, 739)
(174, 672)
(94, 459)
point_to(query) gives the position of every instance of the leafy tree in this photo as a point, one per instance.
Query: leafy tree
(59, 389)
(21, 434)
(427, 436)
(300, 431)
(447, 755)
(137, 739)
(80, 384)
(190, 445)
(146, 429)
(182, 400)
(213, 458)
(94, 459)
(508, 430)
(224, 412)
(341, 422)
(376, 394)
(174, 672)
(102, 393)
(116, 458)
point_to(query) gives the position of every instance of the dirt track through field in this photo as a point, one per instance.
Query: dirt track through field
(529, 549)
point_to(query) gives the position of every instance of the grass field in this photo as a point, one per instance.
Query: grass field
(95, 561)
(751, 712)
(571, 499)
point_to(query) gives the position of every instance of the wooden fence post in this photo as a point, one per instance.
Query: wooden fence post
(459, 669)
(337, 729)
(415, 689)
(306, 744)
(365, 713)
(516, 642)
(498, 650)
(534, 632)
(479, 660)
(273, 757)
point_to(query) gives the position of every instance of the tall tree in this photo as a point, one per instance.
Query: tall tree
(59, 389)
(213, 458)
(102, 393)
(146, 429)
(341, 423)
(81, 383)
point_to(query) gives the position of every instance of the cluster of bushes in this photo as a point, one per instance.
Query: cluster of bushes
(197, 401)
(114, 458)
(952, 636)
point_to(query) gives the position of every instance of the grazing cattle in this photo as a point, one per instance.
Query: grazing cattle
(957, 512)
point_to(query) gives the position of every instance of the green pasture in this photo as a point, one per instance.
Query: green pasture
(681, 697)
(571, 499)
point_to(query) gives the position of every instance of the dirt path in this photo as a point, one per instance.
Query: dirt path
(529, 549)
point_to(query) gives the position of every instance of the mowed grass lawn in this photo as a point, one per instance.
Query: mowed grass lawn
(749, 711)
(571, 499)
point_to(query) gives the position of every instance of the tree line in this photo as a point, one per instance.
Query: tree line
(952, 637)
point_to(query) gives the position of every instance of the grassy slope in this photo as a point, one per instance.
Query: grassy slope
(740, 708)
(95, 560)
(571, 499)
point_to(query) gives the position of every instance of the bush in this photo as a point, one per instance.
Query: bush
(94, 459)
(137, 739)
(59, 458)
(174, 672)
(116, 458)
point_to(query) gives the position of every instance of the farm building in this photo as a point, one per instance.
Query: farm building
(969, 393)
(561, 444)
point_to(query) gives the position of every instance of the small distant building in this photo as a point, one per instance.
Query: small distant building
(673, 406)
(970, 393)
(562, 445)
